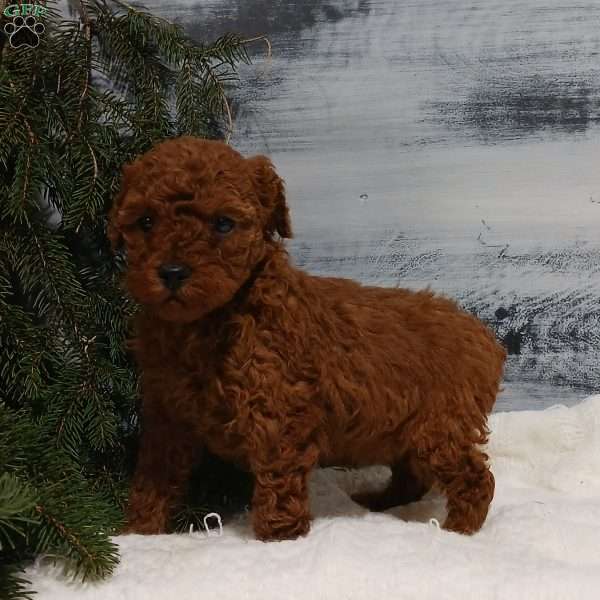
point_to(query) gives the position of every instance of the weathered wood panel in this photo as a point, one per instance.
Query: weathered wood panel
(445, 143)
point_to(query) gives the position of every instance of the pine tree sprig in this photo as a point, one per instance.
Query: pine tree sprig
(13, 586)
(17, 500)
(98, 90)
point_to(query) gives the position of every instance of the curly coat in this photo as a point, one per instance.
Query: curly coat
(280, 371)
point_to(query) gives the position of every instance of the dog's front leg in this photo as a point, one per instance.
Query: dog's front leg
(166, 456)
(280, 504)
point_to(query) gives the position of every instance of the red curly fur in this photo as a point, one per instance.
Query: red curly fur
(281, 371)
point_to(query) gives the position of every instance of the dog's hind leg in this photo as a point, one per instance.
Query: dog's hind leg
(407, 484)
(466, 480)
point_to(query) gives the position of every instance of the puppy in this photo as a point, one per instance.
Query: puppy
(280, 371)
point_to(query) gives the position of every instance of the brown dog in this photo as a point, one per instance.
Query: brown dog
(280, 371)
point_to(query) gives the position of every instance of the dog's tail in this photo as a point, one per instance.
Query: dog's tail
(495, 364)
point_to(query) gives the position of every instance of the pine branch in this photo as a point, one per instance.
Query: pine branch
(12, 585)
(17, 501)
(83, 552)
(62, 518)
(97, 91)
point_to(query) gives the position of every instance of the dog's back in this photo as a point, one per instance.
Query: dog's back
(406, 339)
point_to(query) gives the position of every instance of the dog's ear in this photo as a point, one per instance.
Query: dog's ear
(271, 193)
(113, 233)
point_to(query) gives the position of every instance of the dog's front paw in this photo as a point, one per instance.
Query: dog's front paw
(276, 529)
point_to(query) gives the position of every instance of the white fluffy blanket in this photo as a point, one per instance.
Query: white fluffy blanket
(541, 538)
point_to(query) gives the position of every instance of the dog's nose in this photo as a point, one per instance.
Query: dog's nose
(173, 275)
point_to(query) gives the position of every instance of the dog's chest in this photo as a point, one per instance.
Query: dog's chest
(195, 373)
(219, 425)
(215, 415)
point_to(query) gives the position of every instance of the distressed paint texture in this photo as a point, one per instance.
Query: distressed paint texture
(436, 143)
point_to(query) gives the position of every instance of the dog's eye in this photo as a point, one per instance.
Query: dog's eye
(224, 224)
(145, 223)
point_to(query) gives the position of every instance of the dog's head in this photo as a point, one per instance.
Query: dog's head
(195, 219)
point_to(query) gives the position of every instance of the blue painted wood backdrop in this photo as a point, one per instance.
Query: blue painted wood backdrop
(440, 143)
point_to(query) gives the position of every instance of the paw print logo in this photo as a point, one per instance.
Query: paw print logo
(24, 32)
